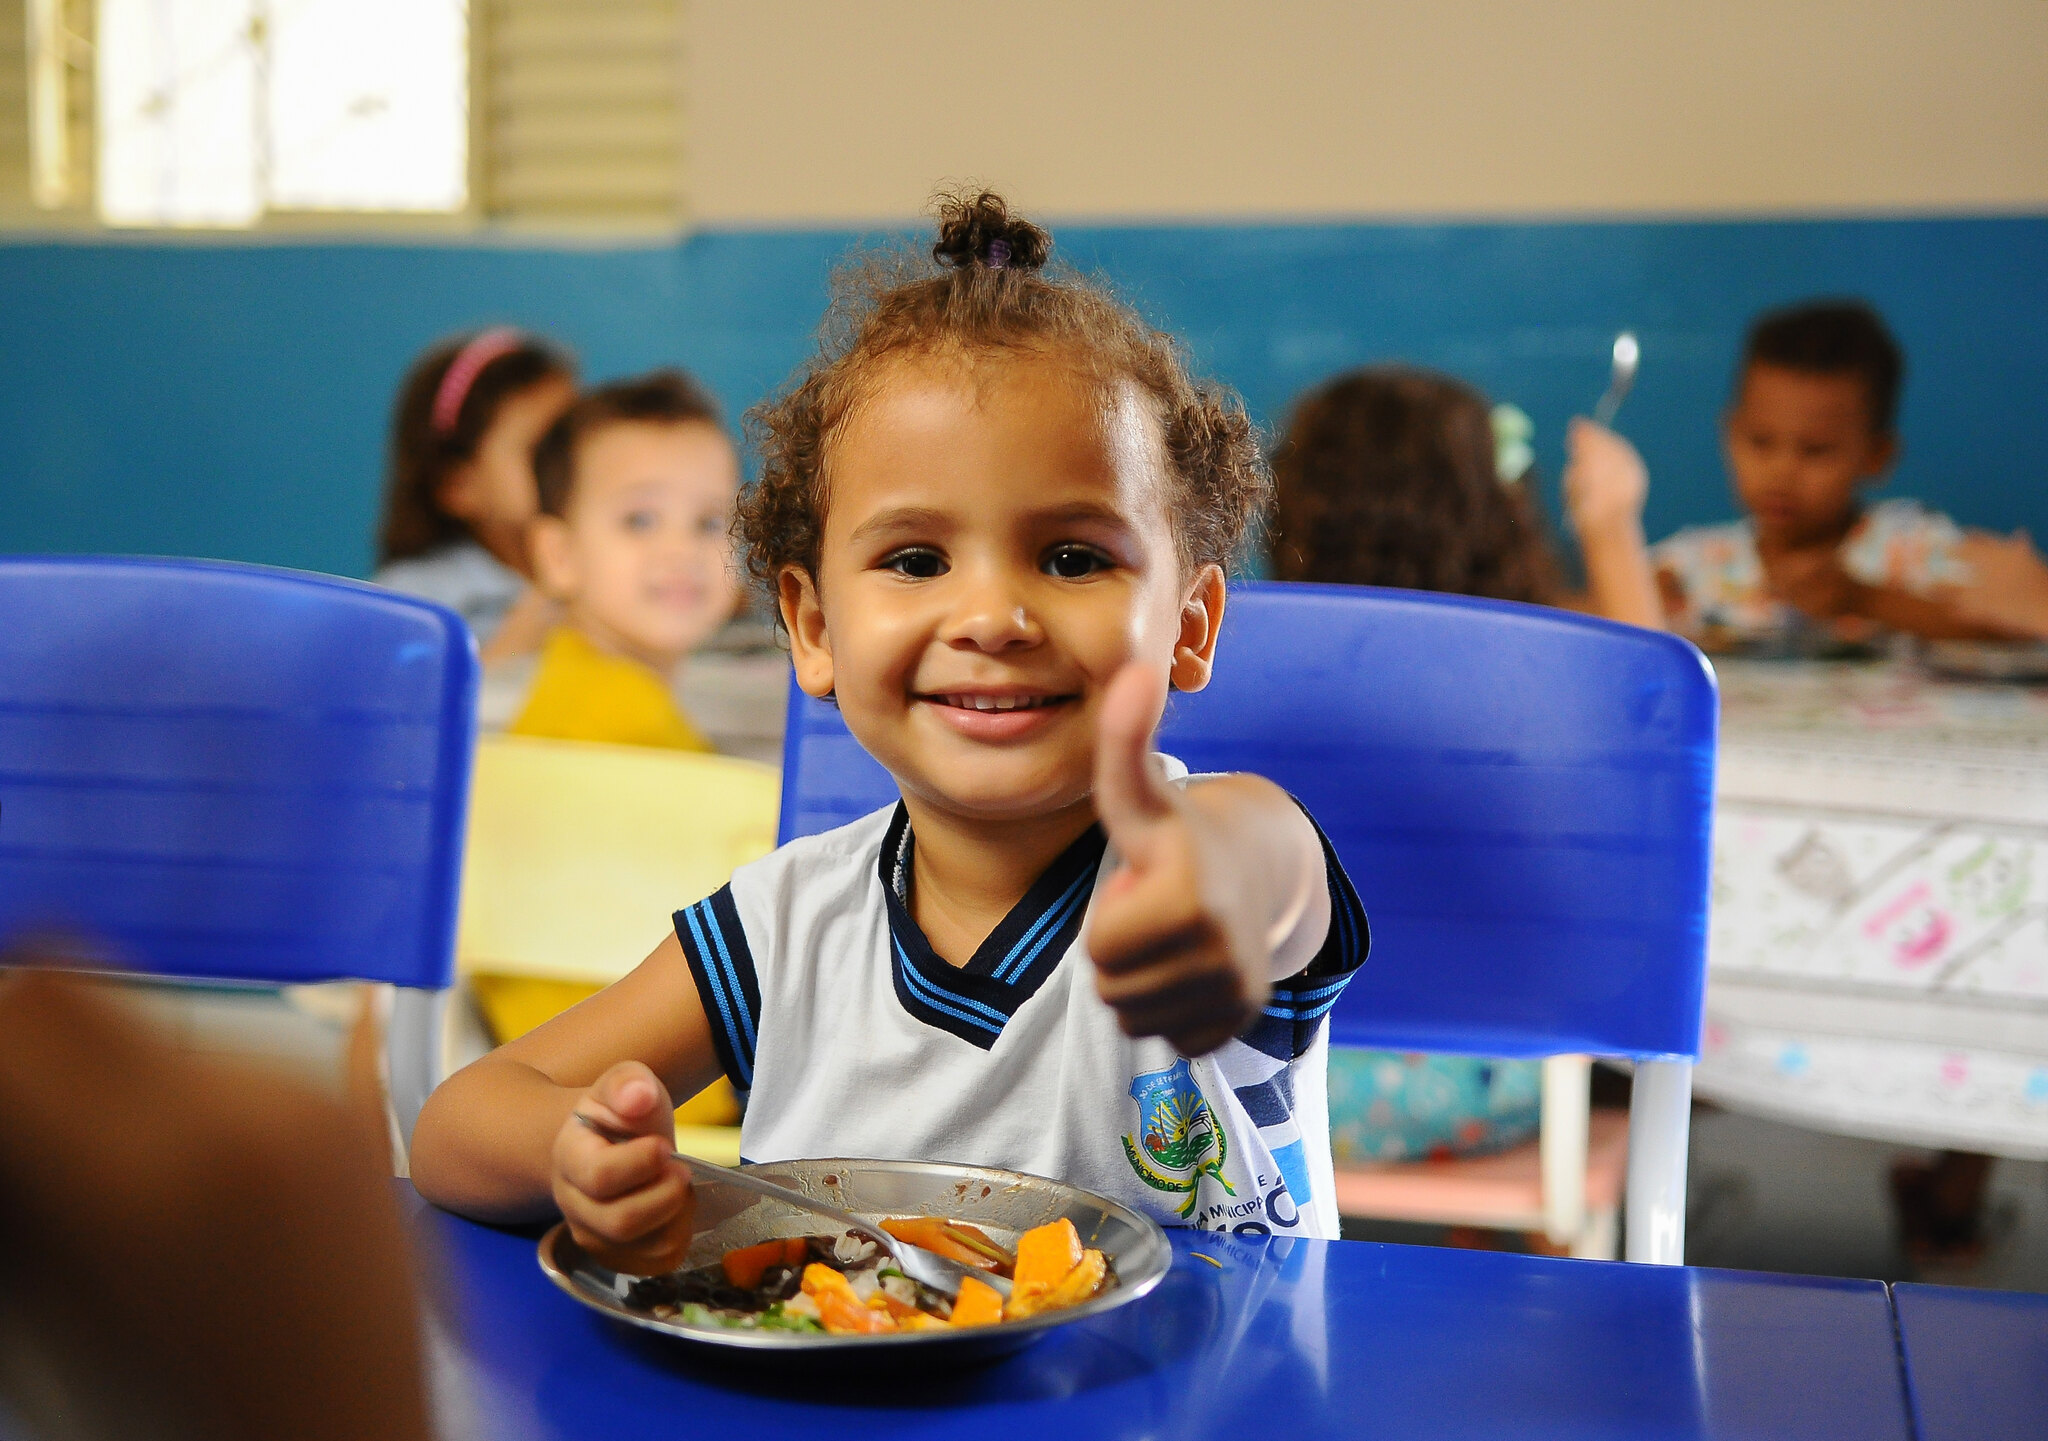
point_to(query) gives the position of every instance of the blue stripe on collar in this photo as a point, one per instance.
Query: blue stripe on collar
(976, 1000)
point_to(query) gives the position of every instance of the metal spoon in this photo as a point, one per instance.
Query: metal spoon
(941, 1273)
(1626, 354)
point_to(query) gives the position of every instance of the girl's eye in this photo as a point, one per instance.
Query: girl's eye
(1075, 562)
(916, 563)
(639, 521)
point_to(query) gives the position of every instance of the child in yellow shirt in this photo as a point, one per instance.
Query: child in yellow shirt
(636, 481)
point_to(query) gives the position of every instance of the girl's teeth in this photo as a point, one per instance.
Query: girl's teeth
(990, 702)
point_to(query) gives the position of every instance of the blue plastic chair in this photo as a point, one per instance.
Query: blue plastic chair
(224, 772)
(1522, 796)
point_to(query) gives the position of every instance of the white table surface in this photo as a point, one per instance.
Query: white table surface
(1878, 953)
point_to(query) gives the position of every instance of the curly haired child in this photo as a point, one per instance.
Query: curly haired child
(995, 511)
(1392, 476)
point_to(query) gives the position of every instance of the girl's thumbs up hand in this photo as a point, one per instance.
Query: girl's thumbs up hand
(1178, 937)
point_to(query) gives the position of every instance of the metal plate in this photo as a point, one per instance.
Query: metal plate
(1003, 1203)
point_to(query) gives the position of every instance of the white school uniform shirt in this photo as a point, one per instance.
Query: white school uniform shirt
(851, 1037)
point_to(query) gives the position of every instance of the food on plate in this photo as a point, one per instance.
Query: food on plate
(847, 1285)
(1045, 1255)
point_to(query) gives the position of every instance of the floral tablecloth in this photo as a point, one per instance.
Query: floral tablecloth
(1878, 955)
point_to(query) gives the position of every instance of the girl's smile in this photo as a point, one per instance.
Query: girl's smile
(996, 716)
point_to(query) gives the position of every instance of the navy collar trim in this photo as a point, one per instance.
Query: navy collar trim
(975, 1001)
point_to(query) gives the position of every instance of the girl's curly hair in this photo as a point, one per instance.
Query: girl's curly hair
(1386, 476)
(986, 290)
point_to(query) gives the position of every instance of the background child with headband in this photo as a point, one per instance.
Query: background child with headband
(461, 491)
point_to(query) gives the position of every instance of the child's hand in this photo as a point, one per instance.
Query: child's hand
(627, 1202)
(1814, 582)
(2008, 585)
(1605, 481)
(1178, 951)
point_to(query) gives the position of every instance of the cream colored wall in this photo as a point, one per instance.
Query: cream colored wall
(835, 110)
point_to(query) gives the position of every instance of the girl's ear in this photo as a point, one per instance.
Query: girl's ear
(1201, 617)
(556, 566)
(803, 619)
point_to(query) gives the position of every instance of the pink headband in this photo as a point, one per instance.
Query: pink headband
(468, 364)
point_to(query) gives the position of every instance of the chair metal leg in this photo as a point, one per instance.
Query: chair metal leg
(1596, 1242)
(1561, 1144)
(1659, 1131)
(413, 1049)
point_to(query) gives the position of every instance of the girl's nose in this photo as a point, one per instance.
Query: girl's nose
(990, 614)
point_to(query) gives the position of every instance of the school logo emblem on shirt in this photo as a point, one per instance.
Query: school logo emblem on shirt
(1182, 1142)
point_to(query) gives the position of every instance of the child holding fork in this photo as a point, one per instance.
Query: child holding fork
(994, 512)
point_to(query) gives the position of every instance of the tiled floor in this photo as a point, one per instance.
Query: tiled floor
(1771, 1197)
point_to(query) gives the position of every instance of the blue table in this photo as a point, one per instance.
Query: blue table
(1289, 1340)
(1976, 1362)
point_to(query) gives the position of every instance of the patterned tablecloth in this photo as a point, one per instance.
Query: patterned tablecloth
(1878, 961)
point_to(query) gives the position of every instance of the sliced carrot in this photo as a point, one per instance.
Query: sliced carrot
(930, 1233)
(976, 1239)
(745, 1267)
(820, 1279)
(841, 1313)
(1071, 1290)
(1045, 1256)
(919, 1321)
(977, 1304)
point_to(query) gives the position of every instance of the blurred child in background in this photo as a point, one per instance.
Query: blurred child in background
(636, 485)
(1392, 476)
(1399, 477)
(461, 490)
(1813, 425)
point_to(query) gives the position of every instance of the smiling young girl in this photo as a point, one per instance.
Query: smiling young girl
(995, 512)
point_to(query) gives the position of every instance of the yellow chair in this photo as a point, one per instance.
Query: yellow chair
(577, 855)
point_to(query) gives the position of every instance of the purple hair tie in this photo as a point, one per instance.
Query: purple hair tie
(997, 255)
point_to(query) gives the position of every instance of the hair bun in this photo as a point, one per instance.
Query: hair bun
(977, 228)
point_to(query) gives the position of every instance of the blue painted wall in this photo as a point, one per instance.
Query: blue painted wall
(230, 400)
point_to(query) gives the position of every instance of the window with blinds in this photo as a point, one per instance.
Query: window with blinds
(46, 100)
(529, 114)
(582, 112)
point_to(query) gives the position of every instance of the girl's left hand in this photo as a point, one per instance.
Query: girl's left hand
(1180, 947)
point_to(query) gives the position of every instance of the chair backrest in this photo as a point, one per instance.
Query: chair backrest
(1521, 795)
(225, 771)
(578, 853)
